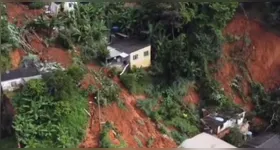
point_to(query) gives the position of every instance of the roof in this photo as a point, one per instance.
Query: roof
(212, 122)
(265, 140)
(19, 73)
(128, 45)
(204, 140)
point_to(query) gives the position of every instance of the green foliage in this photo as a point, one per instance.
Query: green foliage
(136, 80)
(266, 104)
(108, 90)
(150, 142)
(36, 5)
(82, 27)
(9, 40)
(235, 137)
(171, 110)
(139, 142)
(76, 73)
(50, 116)
(105, 141)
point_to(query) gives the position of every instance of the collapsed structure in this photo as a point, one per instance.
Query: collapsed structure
(217, 122)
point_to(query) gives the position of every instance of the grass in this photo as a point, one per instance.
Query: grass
(150, 142)
(139, 143)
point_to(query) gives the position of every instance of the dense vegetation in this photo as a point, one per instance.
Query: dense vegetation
(9, 39)
(186, 40)
(235, 137)
(51, 112)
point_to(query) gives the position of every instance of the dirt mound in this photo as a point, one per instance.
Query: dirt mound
(19, 13)
(130, 122)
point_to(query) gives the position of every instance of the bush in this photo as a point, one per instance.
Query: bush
(50, 113)
(130, 82)
(235, 137)
(105, 141)
(36, 5)
(136, 81)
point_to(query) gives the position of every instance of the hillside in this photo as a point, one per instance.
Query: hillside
(152, 119)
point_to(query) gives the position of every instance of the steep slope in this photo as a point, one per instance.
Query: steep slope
(261, 57)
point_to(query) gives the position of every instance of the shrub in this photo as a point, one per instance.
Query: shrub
(136, 81)
(105, 141)
(235, 137)
(46, 120)
(36, 5)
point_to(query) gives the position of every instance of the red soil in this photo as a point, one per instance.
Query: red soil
(21, 13)
(263, 63)
(16, 57)
(51, 54)
(130, 122)
(192, 97)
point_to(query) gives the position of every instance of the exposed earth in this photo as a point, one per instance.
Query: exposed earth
(261, 59)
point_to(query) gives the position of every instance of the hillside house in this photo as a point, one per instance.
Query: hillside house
(205, 140)
(217, 122)
(12, 80)
(124, 51)
(56, 7)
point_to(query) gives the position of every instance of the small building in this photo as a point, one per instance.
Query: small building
(129, 51)
(13, 79)
(217, 122)
(68, 6)
(55, 7)
(265, 140)
(205, 140)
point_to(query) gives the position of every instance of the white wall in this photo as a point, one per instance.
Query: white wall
(66, 6)
(7, 85)
(232, 123)
(33, 77)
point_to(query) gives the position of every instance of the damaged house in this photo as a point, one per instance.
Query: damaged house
(215, 122)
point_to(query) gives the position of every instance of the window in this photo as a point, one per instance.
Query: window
(135, 57)
(146, 53)
(13, 84)
(70, 5)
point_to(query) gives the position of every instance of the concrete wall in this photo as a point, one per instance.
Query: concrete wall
(33, 77)
(232, 123)
(141, 61)
(7, 85)
(67, 8)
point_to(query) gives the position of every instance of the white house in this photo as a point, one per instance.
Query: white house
(204, 140)
(215, 123)
(124, 51)
(12, 80)
(56, 7)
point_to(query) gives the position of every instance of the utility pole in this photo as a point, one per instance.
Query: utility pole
(99, 114)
